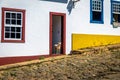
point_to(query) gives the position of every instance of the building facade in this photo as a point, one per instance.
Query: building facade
(33, 28)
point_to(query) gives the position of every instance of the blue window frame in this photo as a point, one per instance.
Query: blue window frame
(115, 11)
(96, 11)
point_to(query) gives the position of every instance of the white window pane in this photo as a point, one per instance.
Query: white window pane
(12, 29)
(18, 29)
(18, 15)
(18, 22)
(8, 21)
(116, 7)
(7, 15)
(18, 35)
(13, 21)
(13, 25)
(96, 5)
(7, 35)
(7, 29)
(13, 15)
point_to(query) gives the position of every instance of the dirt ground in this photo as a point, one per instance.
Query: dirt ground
(102, 65)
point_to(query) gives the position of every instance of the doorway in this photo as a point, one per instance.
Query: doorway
(57, 33)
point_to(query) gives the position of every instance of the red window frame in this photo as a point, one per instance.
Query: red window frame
(3, 25)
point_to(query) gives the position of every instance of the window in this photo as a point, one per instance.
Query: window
(115, 11)
(96, 11)
(13, 25)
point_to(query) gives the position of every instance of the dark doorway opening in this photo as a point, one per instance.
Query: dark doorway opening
(57, 33)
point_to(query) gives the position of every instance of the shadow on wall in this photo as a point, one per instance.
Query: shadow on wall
(61, 1)
(70, 6)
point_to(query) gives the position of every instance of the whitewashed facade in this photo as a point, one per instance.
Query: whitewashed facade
(37, 24)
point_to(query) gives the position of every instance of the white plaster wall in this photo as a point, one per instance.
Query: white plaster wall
(80, 17)
(37, 27)
(79, 21)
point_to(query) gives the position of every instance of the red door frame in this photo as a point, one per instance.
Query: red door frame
(64, 31)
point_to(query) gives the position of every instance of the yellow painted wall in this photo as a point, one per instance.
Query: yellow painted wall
(89, 40)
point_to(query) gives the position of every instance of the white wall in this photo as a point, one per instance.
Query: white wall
(37, 25)
(79, 21)
(80, 17)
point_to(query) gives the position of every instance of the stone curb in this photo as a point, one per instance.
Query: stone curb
(9, 66)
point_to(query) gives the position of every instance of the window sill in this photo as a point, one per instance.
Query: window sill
(12, 41)
(97, 22)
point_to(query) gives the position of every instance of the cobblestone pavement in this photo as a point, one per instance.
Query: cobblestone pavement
(97, 66)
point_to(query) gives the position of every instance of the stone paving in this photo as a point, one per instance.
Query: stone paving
(104, 65)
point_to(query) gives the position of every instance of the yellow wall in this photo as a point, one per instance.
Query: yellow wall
(88, 40)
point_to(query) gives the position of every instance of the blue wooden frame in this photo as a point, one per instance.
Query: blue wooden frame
(111, 21)
(91, 15)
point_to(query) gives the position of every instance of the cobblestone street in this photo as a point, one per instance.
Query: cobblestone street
(95, 66)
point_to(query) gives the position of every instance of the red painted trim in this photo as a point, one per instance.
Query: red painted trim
(2, 32)
(50, 35)
(11, 60)
(64, 31)
(23, 25)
